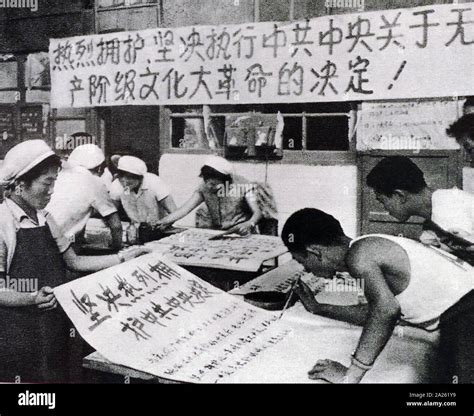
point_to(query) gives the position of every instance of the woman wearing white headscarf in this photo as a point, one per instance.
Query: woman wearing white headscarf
(33, 250)
(143, 195)
(79, 192)
(232, 201)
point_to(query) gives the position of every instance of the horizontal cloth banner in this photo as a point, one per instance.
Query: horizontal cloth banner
(390, 54)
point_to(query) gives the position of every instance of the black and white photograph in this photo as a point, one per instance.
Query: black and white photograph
(237, 192)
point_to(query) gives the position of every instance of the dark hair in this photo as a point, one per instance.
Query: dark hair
(469, 102)
(311, 226)
(129, 174)
(99, 168)
(462, 126)
(210, 173)
(396, 172)
(53, 161)
(112, 166)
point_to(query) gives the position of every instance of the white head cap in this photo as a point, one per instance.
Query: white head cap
(220, 164)
(88, 156)
(132, 165)
(21, 158)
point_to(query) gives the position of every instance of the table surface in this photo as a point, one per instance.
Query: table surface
(96, 361)
(409, 357)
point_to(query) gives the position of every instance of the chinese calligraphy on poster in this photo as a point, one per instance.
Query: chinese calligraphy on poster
(154, 316)
(195, 248)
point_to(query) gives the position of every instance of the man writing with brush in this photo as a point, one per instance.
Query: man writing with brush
(402, 278)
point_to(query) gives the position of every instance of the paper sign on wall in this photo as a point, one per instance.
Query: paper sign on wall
(409, 125)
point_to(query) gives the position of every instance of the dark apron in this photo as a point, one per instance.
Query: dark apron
(33, 342)
(457, 341)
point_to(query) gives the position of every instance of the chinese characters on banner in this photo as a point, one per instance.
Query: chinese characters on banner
(154, 316)
(403, 53)
(194, 248)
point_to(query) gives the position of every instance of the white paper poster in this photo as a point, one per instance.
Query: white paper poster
(409, 125)
(154, 316)
(195, 248)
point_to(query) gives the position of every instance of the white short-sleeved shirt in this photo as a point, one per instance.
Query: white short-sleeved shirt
(107, 178)
(19, 219)
(76, 194)
(142, 206)
(453, 211)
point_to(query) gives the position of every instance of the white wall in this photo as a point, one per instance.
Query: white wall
(468, 179)
(330, 188)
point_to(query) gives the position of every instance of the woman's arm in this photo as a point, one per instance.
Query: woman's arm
(168, 204)
(256, 213)
(246, 227)
(96, 263)
(115, 226)
(14, 298)
(193, 202)
(43, 298)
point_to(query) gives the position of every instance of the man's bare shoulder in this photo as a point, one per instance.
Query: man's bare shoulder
(375, 251)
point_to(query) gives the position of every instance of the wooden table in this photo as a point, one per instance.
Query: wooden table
(411, 358)
(97, 362)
